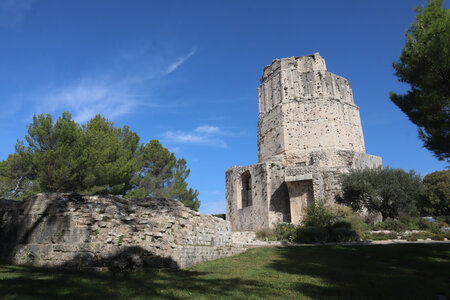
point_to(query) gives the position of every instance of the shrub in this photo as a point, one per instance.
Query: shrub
(411, 223)
(319, 215)
(379, 236)
(341, 224)
(447, 235)
(433, 227)
(311, 234)
(285, 232)
(387, 191)
(445, 219)
(358, 224)
(424, 224)
(266, 234)
(342, 211)
(419, 236)
(442, 225)
(438, 237)
(322, 223)
(390, 224)
(343, 234)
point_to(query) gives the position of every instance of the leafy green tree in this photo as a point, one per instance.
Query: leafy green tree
(388, 191)
(437, 200)
(189, 197)
(109, 158)
(425, 65)
(95, 158)
(161, 174)
(17, 180)
(54, 149)
(155, 172)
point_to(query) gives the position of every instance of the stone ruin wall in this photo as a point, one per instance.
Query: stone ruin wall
(274, 188)
(109, 232)
(256, 215)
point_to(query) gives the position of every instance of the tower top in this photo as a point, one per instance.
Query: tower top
(303, 108)
(303, 64)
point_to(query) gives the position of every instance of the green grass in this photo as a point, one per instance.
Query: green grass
(412, 271)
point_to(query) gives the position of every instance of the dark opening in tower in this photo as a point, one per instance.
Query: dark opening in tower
(246, 189)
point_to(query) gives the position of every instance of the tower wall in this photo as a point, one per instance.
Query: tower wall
(305, 108)
(309, 133)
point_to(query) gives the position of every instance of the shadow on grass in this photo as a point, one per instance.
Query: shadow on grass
(26, 282)
(419, 271)
(48, 226)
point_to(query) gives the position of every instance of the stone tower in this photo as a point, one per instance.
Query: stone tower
(309, 132)
(302, 109)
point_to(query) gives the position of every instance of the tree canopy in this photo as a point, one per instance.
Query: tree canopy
(388, 191)
(93, 158)
(161, 174)
(437, 186)
(425, 65)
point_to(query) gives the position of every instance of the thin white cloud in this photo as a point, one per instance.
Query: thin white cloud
(111, 98)
(173, 66)
(86, 99)
(203, 135)
(13, 12)
(207, 129)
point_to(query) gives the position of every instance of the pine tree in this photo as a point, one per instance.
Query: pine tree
(95, 158)
(163, 175)
(425, 65)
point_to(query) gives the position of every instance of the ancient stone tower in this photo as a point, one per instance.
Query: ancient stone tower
(309, 132)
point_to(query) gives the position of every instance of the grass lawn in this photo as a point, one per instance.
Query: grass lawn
(411, 271)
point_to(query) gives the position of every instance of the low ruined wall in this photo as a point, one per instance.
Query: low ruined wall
(70, 230)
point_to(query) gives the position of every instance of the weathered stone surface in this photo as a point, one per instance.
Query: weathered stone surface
(309, 132)
(76, 231)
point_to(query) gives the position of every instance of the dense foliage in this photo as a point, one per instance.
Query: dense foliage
(397, 195)
(411, 223)
(93, 158)
(321, 223)
(425, 65)
(437, 186)
(388, 191)
(162, 175)
(336, 223)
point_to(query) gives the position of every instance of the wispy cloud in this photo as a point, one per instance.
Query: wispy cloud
(207, 129)
(86, 99)
(13, 12)
(203, 135)
(111, 94)
(173, 66)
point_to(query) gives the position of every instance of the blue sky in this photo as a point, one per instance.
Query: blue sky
(187, 72)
